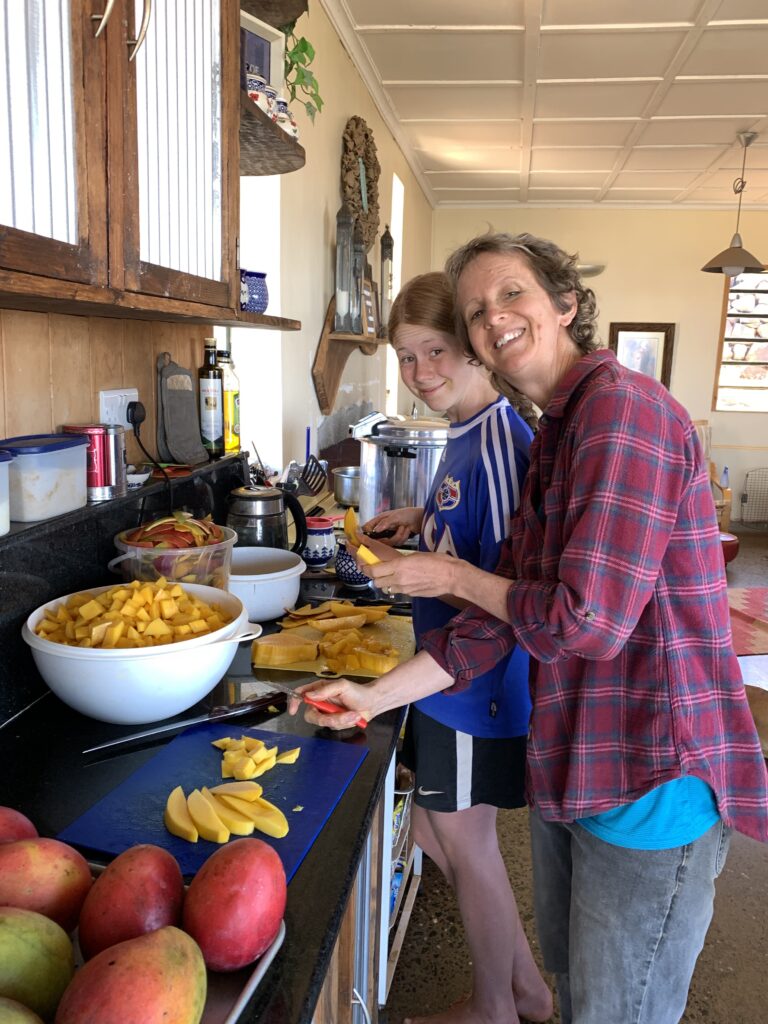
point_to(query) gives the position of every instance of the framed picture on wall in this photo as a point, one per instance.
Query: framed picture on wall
(644, 347)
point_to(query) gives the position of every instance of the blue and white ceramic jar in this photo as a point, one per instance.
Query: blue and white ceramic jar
(321, 542)
(254, 296)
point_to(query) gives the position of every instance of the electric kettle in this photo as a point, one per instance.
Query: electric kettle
(258, 517)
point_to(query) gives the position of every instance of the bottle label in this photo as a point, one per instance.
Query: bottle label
(231, 421)
(211, 413)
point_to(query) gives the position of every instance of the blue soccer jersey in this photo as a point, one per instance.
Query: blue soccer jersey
(475, 492)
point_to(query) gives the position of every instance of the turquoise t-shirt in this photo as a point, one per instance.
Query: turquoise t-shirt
(673, 814)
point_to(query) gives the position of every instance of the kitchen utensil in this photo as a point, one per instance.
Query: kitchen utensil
(321, 542)
(306, 792)
(217, 714)
(266, 580)
(313, 477)
(346, 485)
(142, 684)
(398, 461)
(257, 515)
(208, 564)
(326, 706)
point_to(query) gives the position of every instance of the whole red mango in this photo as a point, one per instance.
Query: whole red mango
(46, 876)
(235, 903)
(140, 891)
(15, 825)
(158, 977)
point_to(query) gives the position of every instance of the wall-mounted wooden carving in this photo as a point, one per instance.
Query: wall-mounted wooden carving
(333, 350)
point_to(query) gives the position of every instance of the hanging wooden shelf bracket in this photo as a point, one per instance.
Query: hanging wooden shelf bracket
(333, 350)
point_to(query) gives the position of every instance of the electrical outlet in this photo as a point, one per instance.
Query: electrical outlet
(113, 405)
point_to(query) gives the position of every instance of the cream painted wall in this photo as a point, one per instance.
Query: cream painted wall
(310, 199)
(652, 274)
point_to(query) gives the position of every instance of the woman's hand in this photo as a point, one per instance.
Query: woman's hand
(353, 699)
(424, 574)
(404, 521)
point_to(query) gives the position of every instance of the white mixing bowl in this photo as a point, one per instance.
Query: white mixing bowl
(266, 580)
(143, 684)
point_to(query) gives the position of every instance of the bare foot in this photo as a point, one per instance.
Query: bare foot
(464, 1012)
(535, 1006)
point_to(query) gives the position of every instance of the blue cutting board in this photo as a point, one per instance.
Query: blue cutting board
(133, 812)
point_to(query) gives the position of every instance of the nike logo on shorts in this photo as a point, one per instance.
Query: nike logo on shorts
(429, 792)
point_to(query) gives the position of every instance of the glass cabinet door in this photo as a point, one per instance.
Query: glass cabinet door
(177, 209)
(53, 192)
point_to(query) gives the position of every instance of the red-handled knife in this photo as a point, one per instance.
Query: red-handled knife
(326, 706)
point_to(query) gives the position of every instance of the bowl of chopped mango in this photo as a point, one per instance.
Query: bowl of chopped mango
(136, 652)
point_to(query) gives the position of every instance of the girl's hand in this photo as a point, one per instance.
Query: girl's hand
(403, 521)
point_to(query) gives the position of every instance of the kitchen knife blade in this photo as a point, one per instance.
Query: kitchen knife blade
(326, 706)
(216, 714)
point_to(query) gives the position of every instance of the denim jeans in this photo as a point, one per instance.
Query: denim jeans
(621, 929)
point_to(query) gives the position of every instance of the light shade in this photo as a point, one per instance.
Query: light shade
(733, 260)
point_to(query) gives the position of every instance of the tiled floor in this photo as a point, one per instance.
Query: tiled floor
(730, 985)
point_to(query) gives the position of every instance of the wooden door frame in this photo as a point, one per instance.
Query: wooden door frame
(127, 271)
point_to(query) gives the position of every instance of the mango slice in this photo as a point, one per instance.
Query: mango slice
(350, 526)
(243, 790)
(343, 622)
(237, 824)
(288, 756)
(367, 555)
(282, 649)
(177, 818)
(208, 823)
(266, 817)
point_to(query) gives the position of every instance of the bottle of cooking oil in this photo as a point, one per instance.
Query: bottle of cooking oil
(210, 380)
(231, 386)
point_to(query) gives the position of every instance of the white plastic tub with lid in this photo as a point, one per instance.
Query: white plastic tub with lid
(5, 514)
(47, 476)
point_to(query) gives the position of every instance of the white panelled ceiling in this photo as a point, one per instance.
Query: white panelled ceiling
(606, 102)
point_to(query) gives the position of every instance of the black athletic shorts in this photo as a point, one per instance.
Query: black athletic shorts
(455, 770)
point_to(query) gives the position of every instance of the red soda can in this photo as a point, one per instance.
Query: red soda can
(97, 464)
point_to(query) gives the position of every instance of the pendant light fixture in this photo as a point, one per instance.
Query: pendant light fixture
(736, 259)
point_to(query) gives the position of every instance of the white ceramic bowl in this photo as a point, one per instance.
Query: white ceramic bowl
(266, 580)
(145, 684)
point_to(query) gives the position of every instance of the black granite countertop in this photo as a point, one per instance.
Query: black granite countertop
(50, 733)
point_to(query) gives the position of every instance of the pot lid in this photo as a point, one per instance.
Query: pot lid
(38, 444)
(411, 429)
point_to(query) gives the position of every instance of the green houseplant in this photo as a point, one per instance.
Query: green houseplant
(299, 79)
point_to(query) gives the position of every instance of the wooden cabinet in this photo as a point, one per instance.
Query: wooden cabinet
(141, 152)
(53, 217)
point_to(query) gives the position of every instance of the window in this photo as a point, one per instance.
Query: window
(742, 380)
(257, 354)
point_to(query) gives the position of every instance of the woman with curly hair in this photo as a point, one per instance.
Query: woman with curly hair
(642, 753)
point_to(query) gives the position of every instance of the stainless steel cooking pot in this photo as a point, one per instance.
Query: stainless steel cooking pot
(398, 461)
(346, 485)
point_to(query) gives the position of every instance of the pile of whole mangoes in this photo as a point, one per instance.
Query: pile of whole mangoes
(146, 941)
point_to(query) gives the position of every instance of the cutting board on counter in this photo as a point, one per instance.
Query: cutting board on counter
(395, 630)
(133, 812)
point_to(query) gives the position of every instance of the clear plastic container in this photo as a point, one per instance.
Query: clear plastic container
(47, 476)
(208, 565)
(5, 510)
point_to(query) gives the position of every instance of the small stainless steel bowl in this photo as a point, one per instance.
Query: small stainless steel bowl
(346, 485)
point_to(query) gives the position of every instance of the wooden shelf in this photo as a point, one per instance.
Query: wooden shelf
(51, 295)
(264, 147)
(275, 12)
(333, 351)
